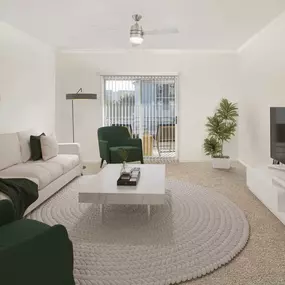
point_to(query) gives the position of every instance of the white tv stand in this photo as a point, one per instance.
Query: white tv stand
(268, 185)
(278, 167)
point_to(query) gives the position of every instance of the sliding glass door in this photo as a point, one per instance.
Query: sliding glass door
(146, 105)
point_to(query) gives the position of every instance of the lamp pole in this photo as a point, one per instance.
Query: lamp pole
(73, 96)
(72, 110)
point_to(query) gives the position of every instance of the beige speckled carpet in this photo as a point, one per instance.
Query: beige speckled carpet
(194, 233)
(263, 260)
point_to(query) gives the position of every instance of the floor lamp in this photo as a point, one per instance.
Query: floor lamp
(79, 95)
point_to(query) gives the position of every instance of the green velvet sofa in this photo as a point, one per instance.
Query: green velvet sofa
(112, 139)
(33, 253)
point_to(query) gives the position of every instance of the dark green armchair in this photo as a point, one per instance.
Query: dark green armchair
(112, 139)
(32, 252)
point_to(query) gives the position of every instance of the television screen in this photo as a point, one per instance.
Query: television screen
(277, 133)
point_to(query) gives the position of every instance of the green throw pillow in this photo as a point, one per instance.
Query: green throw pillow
(36, 150)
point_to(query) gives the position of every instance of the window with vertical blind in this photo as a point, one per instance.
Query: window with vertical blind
(146, 105)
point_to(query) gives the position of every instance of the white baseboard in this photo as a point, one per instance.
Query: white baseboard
(198, 160)
(88, 162)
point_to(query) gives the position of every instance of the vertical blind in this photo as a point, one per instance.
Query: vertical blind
(146, 105)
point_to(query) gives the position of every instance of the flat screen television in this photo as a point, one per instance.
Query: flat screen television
(277, 134)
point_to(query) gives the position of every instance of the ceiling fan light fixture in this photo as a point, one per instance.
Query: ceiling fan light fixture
(137, 33)
(136, 39)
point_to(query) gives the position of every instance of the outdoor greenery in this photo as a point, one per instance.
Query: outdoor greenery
(221, 128)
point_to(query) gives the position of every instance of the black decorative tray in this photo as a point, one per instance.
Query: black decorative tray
(130, 179)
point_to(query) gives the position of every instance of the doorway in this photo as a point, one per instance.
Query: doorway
(147, 106)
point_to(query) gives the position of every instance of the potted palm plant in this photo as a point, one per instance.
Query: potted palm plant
(221, 128)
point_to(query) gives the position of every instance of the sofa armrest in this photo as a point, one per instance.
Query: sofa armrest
(38, 255)
(134, 142)
(69, 148)
(130, 142)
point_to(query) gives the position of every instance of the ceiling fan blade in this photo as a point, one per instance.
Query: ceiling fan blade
(165, 31)
(108, 28)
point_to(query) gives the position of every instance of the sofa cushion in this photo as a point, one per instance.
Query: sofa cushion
(36, 150)
(9, 150)
(49, 147)
(24, 140)
(44, 172)
(67, 161)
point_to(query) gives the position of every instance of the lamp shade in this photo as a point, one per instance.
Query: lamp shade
(79, 96)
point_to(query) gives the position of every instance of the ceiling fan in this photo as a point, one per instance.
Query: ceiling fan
(137, 33)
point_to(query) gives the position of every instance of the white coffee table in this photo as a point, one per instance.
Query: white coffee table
(102, 188)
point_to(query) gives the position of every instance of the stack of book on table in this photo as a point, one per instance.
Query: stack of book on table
(130, 178)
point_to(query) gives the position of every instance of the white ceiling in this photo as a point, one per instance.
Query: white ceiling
(104, 24)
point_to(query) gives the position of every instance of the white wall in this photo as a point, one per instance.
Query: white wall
(27, 82)
(262, 67)
(204, 78)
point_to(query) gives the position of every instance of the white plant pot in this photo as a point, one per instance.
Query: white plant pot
(221, 163)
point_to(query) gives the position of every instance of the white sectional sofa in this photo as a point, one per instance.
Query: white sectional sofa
(50, 175)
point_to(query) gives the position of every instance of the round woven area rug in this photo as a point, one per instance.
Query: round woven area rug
(194, 233)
